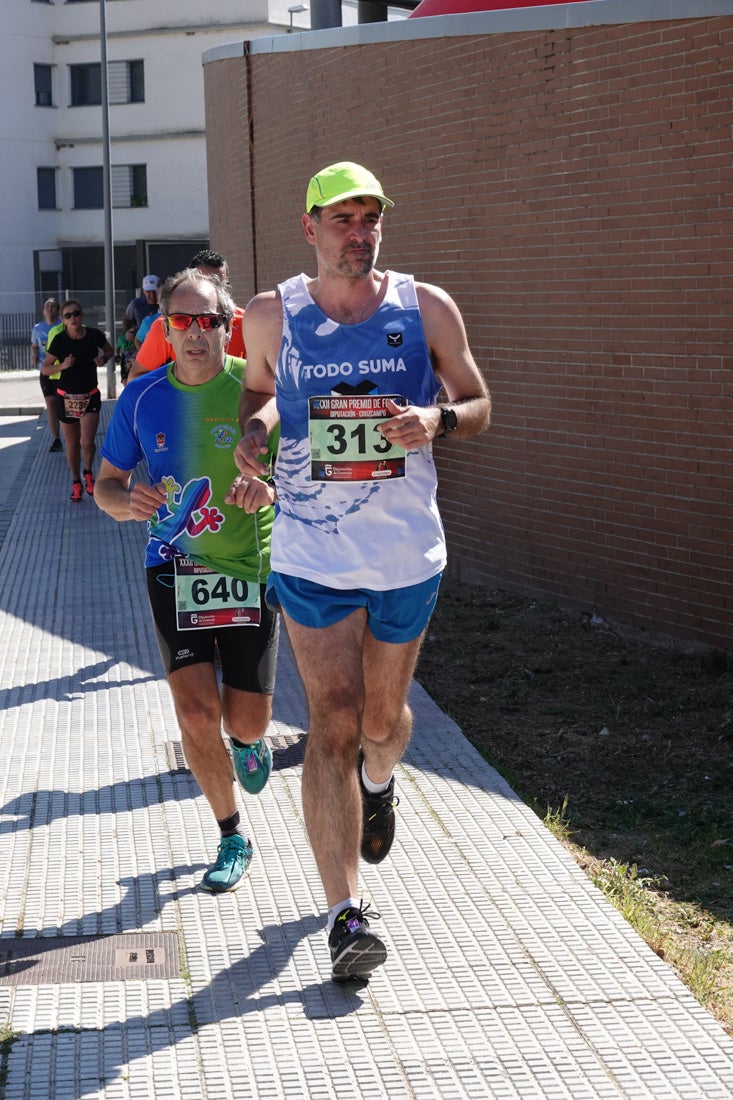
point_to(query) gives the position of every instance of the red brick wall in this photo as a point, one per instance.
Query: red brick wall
(228, 173)
(573, 191)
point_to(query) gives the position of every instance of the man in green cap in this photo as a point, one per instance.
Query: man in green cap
(351, 363)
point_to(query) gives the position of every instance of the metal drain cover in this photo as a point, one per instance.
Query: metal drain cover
(58, 960)
(288, 751)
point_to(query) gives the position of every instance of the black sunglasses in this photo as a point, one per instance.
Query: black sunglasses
(206, 321)
(74, 313)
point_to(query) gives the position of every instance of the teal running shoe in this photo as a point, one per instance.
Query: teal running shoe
(232, 861)
(253, 764)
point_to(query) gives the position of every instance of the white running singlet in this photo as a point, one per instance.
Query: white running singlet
(353, 511)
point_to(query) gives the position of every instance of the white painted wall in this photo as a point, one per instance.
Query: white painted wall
(166, 132)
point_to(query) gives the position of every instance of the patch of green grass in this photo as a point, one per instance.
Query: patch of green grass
(634, 733)
(628, 891)
(706, 970)
(558, 822)
(7, 1038)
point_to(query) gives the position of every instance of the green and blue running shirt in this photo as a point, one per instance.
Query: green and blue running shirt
(186, 437)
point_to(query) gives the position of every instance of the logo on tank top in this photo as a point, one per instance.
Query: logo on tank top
(354, 391)
(394, 339)
(223, 436)
(346, 369)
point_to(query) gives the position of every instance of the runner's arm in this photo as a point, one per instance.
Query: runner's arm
(114, 496)
(456, 370)
(106, 350)
(51, 365)
(453, 361)
(262, 332)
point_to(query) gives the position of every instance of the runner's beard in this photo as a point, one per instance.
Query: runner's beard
(355, 264)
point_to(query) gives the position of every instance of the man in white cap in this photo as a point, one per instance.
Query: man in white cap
(140, 308)
(351, 362)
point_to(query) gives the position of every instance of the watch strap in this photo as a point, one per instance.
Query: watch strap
(449, 420)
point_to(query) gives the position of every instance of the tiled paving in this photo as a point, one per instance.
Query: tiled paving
(508, 973)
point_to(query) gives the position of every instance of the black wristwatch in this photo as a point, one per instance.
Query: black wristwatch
(449, 419)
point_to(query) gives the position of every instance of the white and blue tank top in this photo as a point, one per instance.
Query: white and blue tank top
(353, 511)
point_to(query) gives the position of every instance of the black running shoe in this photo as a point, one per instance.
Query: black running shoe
(378, 823)
(355, 950)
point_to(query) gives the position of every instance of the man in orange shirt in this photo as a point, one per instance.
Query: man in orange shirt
(155, 349)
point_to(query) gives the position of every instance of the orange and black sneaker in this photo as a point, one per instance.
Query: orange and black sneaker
(89, 481)
(355, 950)
(378, 821)
(76, 492)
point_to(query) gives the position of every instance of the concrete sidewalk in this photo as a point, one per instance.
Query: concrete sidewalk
(508, 973)
(20, 392)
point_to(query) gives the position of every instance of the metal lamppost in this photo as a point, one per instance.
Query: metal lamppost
(109, 266)
(295, 9)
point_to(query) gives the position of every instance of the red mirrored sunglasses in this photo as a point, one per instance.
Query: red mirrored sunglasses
(206, 321)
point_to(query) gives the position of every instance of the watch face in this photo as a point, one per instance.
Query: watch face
(450, 420)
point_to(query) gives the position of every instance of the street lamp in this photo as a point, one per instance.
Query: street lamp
(109, 264)
(295, 9)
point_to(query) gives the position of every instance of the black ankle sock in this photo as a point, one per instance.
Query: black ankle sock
(230, 825)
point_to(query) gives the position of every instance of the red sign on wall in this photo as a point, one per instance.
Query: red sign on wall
(460, 7)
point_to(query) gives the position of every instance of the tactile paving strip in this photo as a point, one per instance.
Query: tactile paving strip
(508, 974)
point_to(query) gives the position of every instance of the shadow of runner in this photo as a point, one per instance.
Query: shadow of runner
(71, 1064)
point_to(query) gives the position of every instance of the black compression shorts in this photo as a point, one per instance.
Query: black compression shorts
(48, 385)
(93, 406)
(248, 654)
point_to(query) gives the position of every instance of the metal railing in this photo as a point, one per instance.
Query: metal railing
(16, 326)
(15, 340)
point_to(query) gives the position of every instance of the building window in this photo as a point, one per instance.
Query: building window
(42, 81)
(46, 182)
(129, 185)
(88, 192)
(86, 85)
(126, 81)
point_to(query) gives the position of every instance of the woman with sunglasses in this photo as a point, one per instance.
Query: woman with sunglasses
(76, 353)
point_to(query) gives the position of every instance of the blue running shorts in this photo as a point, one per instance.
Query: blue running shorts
(397, 615)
